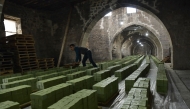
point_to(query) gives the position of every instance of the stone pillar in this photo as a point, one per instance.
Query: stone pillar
(1, 8)
(2, 29)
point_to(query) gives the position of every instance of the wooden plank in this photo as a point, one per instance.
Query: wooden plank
(65, 37)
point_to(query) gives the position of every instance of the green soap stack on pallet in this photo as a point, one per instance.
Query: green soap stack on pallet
(9, 105)
(43, 84)
(60, 69)
(136, 99)
(101, 75)
(29, 81)
(114, 68)
(44, 98)
(43, 77)
(81, 68)
(103, 66)
(12, 79)
(143, 83)
(140, 72)
(85, 82)
(147, 60)
(162, 81)
(20, 94)
(106, 88)
(139, 61)
(157, 61)
(76, 75)
(84, 99)
(124, 72)
(67, 72)
(8, 76)
(129, 62)
(92, 71)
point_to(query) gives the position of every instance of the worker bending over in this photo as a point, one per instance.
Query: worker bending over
(87, 55)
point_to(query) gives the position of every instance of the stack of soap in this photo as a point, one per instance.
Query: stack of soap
(139, 61)
(103, 66)
(85, 82)
(147, 60)
(76, 75)
(67, 72)
(12, 79)
(106, 88)
(43, 84)
(84, 99)
(44, 98)
(8, 76)
(124, 72)
(92, 71)
(162, 81)
(130, 80)
(101, 75)
(46, 76)
(136, 99)
(114, 68)
(9, 105)
(29, 81)
(20, 94)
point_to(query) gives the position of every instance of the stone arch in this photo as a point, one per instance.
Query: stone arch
(155, 40)
(92, 23)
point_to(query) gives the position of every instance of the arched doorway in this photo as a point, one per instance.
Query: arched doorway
(143, 17)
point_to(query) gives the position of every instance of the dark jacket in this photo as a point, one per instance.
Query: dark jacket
(79, 51)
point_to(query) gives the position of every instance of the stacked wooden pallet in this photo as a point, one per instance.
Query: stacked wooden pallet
(6, 62)
(24, 51)
(46, 63)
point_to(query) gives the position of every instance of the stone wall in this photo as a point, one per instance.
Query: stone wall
(35, 23)
(2, 33)
(174, 14)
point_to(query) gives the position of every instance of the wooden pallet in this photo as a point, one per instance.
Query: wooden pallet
(6, 72)
(109, 100)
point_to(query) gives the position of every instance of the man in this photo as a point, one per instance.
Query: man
(87, 55)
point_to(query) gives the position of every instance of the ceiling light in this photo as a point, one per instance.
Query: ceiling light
(121, 23)
(138, 41)
(142, 45)
(131, 10)
(146, 34)
(109, 14)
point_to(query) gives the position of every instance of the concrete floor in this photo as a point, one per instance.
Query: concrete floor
(181, 79)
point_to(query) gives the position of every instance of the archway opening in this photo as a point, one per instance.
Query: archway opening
(103, 32)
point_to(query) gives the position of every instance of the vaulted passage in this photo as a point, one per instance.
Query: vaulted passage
(120, 28)
(94, 54)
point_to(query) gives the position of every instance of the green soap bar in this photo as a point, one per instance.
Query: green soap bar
(46, 76)
(9, 105)
(76, 75)
(51, 82)
(141, 107)
(125, 107)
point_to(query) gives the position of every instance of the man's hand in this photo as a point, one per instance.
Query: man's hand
(77, 62)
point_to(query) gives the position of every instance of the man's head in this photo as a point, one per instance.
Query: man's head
(72, 47)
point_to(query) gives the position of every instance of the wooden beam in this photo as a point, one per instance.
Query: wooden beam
(65, 37)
